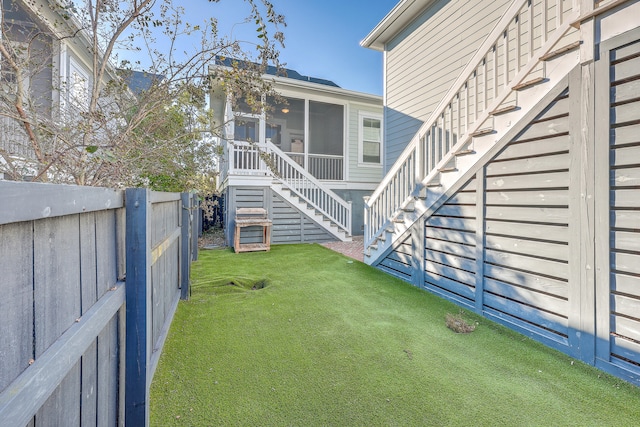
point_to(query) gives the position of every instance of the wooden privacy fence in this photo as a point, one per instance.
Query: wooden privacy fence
(91, 278)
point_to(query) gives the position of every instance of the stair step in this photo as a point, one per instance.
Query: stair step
(398, 219)
(503, 110)
(464, 152)
(529, 83)
(374, 247)
(409, 208)
(448, 169)
(560, 51)
(433, 185)
(390, 229)
(382, 238)
(481, 132)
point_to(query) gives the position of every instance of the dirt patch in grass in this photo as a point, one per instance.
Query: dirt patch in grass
(458, 324)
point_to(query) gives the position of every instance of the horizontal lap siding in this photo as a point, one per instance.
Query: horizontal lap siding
(526, 227)
(414, 84)
(450, 247)
(624, 204)
(357, 173)
(290, 225)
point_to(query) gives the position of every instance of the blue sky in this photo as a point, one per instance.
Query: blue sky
(322, 37)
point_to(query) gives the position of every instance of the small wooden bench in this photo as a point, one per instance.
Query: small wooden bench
(249, 217)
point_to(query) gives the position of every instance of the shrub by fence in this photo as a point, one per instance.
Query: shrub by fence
(91, 278)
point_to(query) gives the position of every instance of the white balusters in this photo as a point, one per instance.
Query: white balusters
(467, 105)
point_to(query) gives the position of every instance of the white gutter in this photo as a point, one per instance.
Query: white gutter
(396, 20)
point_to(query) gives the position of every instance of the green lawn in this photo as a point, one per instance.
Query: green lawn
(330, 341)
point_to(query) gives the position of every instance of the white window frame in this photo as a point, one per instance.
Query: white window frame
(79, 102)
(361, 117)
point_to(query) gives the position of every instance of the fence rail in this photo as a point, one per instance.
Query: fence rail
(72, 259)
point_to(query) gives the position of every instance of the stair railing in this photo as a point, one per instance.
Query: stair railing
(511, 52)
(268, 160)
(308, 188)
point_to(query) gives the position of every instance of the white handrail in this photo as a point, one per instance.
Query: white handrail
(308, 188)
(267, 159)
(464, 109)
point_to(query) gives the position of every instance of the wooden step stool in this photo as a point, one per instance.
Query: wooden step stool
(249, 217)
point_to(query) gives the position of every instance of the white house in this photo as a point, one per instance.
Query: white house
(512, 161)
(323, 150)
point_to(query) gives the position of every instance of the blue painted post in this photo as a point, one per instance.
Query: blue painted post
(138, 311)
(195, 226)
(185, 246)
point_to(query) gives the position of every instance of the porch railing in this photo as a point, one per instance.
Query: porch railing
(512, 52)
(325, 166)
(268, 160)
(13, 138)
(322, 166)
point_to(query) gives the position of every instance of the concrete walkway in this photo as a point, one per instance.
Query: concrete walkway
(353, 249)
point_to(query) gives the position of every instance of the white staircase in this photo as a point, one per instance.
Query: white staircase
(294, 184)
(290, 196)
(510, 73)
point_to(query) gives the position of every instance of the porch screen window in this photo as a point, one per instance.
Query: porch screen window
(371, 140)
(247, 129)
(326, 128)
(285, 125)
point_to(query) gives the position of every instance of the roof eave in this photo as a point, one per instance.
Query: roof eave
(293, 83)
(396, 20)
(287, 82)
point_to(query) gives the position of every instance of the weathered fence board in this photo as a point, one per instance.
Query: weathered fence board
(29, 392)
(16, 304)
(50, 200)
(64, 330)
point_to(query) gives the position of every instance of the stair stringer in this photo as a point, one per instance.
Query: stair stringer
(425, 208)
(321, 220)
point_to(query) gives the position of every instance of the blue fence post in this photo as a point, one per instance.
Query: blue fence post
(195, 226)
(138, 311)
(185, 246)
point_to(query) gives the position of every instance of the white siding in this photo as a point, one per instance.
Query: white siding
(423, 61)
(358, 173)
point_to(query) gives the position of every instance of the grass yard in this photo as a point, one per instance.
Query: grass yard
(324, 340)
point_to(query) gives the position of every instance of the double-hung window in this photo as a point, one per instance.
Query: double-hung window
(370, 141)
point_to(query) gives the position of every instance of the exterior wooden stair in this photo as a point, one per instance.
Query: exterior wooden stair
(436, 170)
(280, 188)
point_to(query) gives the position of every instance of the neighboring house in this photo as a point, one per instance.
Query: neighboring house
(56, 59)
(512, 158)
(140, 82)
(322, 145)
